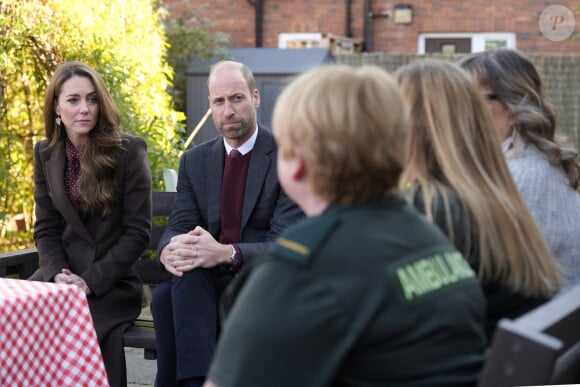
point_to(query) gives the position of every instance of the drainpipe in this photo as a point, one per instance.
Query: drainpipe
(348, 30)
(368, 14)
(259, 12)
(368, 27)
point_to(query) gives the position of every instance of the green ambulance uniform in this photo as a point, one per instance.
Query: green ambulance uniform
(367, 295)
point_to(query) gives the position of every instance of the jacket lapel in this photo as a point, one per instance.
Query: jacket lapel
(215, 168)
(54, 171)
(257, 172)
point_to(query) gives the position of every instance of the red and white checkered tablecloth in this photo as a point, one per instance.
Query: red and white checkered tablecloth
(47, 336)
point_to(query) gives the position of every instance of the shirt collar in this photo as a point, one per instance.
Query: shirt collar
(507, 144)
(245, 147)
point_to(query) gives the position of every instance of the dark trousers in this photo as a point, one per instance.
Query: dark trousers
(185, 311)
(114, 356)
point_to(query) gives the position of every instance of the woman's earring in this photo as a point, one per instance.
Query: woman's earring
(58, 120)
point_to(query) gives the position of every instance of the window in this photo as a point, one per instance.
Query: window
(464, 43)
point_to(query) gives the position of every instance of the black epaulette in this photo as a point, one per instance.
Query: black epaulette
(298, 243)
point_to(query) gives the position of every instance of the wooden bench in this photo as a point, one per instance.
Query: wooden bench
(541, 347)
(22, 263)
(141, 334)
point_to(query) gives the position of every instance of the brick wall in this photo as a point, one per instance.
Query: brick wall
(237, 18)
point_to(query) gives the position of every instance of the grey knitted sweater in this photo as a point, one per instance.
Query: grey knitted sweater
(553, 203)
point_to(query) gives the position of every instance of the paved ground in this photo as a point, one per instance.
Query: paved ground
(140, 372)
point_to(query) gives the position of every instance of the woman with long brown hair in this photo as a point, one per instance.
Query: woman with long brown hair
(543, 163)
(93, 204)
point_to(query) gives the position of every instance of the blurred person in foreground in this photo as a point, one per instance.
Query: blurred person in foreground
(92, 199)
(543, 164)
(456, 175)
(365, 285)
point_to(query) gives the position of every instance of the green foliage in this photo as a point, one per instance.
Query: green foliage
(188, 36)
(25, 53)
(125, 41)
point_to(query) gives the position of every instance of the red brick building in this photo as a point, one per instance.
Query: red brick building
(388, 26)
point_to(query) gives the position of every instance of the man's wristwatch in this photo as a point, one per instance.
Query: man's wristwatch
(234, 259)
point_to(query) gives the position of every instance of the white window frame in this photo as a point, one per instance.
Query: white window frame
(477, 39)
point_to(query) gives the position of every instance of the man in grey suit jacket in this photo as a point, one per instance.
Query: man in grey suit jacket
(229, 207)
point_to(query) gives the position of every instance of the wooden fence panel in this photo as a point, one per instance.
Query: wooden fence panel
(560, 73)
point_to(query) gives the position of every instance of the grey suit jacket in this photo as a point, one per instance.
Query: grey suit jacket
(266, 211)
(101, 250)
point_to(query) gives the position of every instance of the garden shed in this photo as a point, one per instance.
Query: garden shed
(272, 69)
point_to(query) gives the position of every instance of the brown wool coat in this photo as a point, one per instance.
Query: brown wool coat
(101, 250)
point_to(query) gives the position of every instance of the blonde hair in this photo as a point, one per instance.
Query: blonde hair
(351, 141)
(97, 183)
(513, 77)
(452, 143)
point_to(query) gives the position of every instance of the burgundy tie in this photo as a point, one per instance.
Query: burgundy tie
(232, 197)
